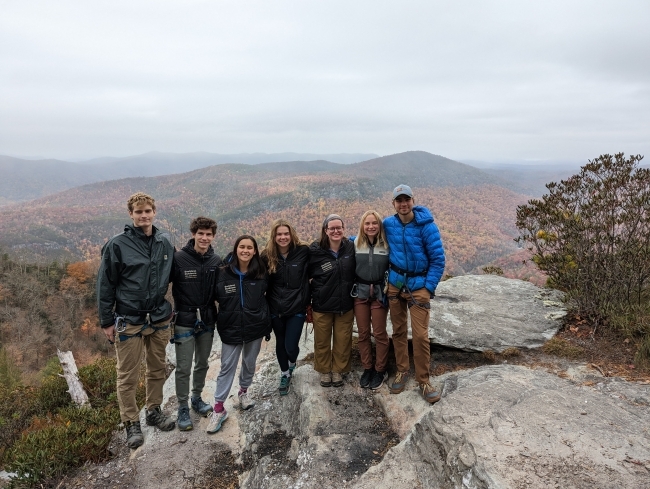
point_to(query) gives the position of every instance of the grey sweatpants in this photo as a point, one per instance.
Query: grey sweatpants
(229, 358)
(188, 347)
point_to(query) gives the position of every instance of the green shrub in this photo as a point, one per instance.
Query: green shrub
(46, 435)
(51, 445)
(591, 235)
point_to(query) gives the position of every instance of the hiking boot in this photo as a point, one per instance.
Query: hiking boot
(134, 437)
(337, 379)
(157, 418)
(377, 380)
(216, 420)
(430, 394)
(366, 377)
(285, 382)
(203, 408)
(183, 419)
(245, 400)
(326, 379)
(399, 384)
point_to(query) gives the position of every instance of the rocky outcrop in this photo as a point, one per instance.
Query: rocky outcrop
(488, 312)
(512, 427)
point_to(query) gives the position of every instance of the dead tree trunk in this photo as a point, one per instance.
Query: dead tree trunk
(71, 375)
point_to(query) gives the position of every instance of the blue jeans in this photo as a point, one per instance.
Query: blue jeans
(288, 330)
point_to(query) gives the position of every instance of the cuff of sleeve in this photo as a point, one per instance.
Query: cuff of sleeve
(107, 325)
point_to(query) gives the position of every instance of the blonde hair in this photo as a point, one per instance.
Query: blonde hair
(270, 251)
(362, 238)
(140, 198)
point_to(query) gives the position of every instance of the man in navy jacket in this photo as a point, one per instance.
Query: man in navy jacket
(417, 261)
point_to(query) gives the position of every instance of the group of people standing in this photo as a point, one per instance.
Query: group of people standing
(394, 264)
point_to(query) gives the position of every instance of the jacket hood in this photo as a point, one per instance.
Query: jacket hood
(422, 215)
(189, 248)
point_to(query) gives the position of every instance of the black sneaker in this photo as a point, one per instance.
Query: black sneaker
(134, 437)
(366, 377)
(377, 380)
(183, 419)
(203, 408)
(157, 418)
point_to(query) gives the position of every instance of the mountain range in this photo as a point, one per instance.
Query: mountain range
(25, 180)
(474, 209)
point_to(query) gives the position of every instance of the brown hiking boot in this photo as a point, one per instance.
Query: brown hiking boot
(430, 394)
(326, 379)
(399, 384)
(337, 379)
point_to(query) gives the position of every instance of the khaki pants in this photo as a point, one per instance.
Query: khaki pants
(332, 341)
(153, 341)
(367, 312)
(398, 303)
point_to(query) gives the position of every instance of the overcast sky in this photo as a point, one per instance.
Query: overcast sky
(484, 80)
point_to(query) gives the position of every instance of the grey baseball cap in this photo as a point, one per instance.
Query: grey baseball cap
(402, 190)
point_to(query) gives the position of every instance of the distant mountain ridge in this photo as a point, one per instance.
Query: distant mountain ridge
(25, 180)
(475, 210)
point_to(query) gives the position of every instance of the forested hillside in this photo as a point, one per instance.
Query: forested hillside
(475, 213)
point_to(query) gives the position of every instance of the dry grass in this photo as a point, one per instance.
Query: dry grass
(562, 348)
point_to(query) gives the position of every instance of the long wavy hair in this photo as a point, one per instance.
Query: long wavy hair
(256, 267)
(270, 252)
(362, 238)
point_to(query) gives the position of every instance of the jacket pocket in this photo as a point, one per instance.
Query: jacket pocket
(294, 273)
(254, 294)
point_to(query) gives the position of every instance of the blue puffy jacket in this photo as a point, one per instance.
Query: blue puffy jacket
(416, 248)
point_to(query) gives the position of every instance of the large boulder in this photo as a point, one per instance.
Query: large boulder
(488, 312)
(512, 427)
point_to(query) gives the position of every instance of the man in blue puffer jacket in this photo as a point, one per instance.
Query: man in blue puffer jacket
(417, 261)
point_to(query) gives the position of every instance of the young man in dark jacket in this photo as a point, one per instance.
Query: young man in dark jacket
(417, 261)
(131, 285)
(194, 278)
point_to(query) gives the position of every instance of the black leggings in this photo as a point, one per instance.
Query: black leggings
(288, 330)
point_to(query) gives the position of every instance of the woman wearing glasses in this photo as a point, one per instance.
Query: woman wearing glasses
(332, 274)
(371, 254)
(286, 259)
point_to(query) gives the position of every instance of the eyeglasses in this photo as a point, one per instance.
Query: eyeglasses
(336, 229)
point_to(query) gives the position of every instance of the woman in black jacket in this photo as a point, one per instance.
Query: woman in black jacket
(332, 274)
(242, 322)
(286, 258)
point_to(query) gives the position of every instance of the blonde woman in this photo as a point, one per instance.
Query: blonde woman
(371, 253)
(286, 259)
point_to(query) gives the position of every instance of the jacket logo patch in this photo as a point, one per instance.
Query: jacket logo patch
(190, 273)
(230, 289)
(165, 257)
(327, 266)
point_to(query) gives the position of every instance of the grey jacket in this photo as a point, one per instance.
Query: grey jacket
(133, 277)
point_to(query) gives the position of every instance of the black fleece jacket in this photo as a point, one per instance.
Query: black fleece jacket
(194, 277)
(288, 292)
(332, 278)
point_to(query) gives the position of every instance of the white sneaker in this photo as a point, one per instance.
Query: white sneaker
(216, 420)
(245, 401)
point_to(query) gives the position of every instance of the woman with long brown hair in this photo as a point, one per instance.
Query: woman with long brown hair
(286, 258)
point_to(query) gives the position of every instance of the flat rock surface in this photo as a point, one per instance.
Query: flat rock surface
(488, 312)
(513, 427)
